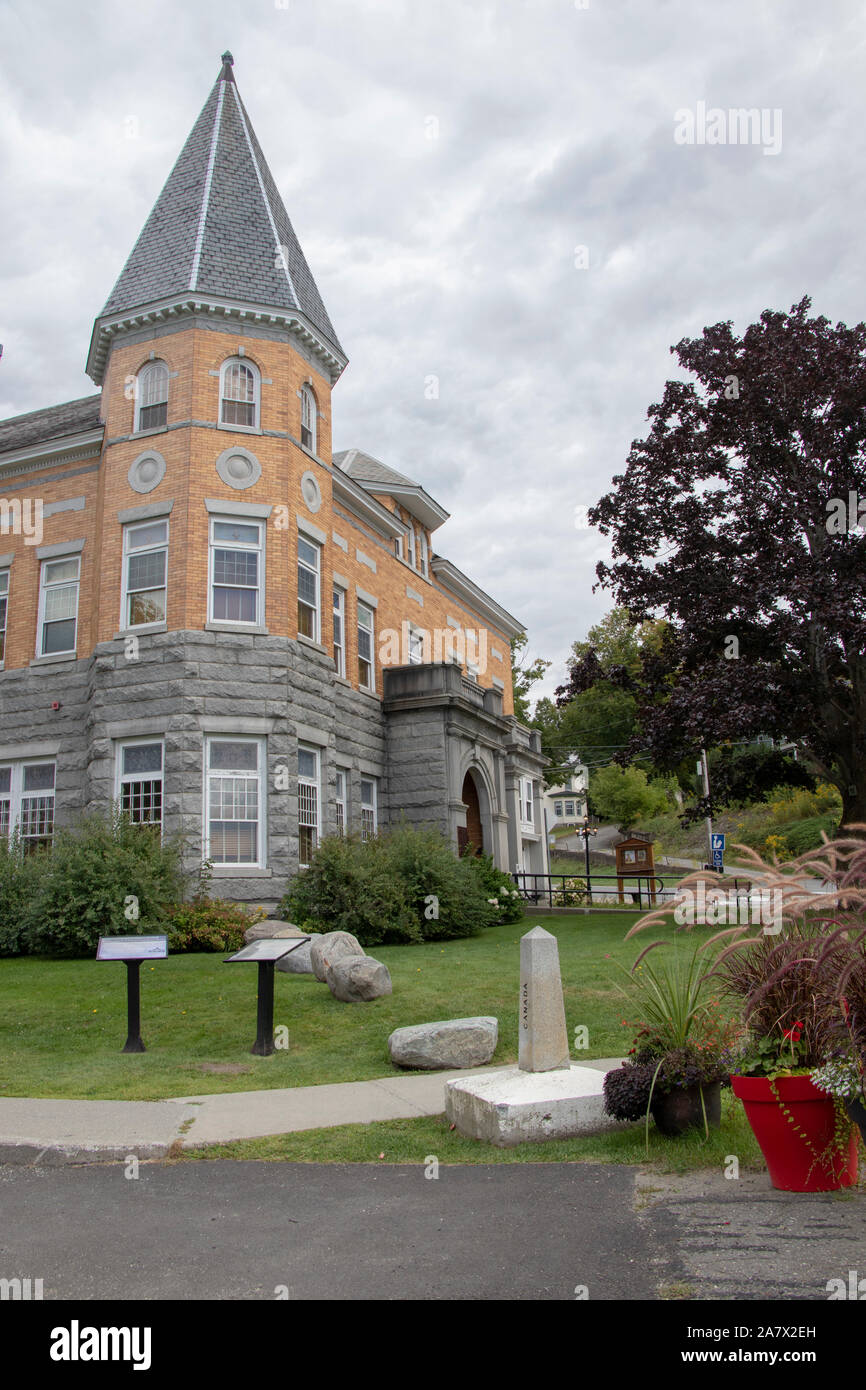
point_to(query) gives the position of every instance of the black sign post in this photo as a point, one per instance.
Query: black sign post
(132, 950)
(265, 954)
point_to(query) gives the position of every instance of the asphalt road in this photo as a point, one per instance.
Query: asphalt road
(240, 1230)
(230, 1230)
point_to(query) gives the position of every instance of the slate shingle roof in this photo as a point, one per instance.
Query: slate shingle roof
(55, 422)
(365, 469)
(218, 224)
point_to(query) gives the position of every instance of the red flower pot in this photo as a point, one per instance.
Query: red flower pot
(800, 1153)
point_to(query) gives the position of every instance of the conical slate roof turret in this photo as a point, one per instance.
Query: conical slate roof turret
(219, 237)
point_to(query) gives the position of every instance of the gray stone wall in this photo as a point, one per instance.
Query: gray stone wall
(419, 741)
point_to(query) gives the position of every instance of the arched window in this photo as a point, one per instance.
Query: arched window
(308, 419)
(239, 394)
(151, 397)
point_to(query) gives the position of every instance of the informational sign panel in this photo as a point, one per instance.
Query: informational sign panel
(270, 948)
(718, 847)
(132, 948)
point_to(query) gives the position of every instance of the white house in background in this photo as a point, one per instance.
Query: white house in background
(565, 803)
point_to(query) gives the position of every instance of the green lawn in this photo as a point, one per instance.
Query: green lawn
(413, 1141)
(63, 1023)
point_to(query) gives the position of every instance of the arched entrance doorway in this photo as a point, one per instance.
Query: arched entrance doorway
(470, 839)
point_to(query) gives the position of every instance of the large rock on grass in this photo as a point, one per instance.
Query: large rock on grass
(331, 947)
(298, 962)
(455, 1042)
(270, 930)
(357, 979)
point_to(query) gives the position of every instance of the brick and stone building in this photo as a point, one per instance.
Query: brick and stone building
(209, 617)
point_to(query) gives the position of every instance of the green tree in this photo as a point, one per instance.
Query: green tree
(524, 674)
(625, 795)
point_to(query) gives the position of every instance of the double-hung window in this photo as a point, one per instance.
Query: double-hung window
(151, 397)
(235, 800)
(145, 562)
(309, 571)
(239, 394)
(308, 419)
(557, 808)
(139, 781)
(569, 808)
(410, 546)
(27, 802)
(369, 818)
(4, 598)
(58, 605)
(425, 554)
(308, 804)
(366, 671)
(340, 630)
(237, 571)
(416, 645)
(526, 802)
(340, 801)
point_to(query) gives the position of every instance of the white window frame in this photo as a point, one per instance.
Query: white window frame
(526, 803)
(151, 390)
(415, 651)
(228, 366)
(5, 583)
(364, 685)
(425, 554)
(339, 614)
(557, 809)
(238, 774)
(309, 408)
(214, 545)
(313, 784)
(12, 802)
(341, 801)
(369, 809)
(43, 588)
(410, 547)
(122, 779)
(569, 808)
(316, 571)
(127, 553)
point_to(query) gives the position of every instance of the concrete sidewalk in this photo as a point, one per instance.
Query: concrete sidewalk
(98, 1131)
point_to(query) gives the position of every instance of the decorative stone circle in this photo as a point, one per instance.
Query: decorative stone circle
(311, 492)
(147, 471)
(238, 468)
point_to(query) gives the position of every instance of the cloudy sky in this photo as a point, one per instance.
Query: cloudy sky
(488, 192)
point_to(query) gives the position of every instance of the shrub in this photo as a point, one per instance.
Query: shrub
(627, 1090)
(349, 887)
(403, 886)
(102, 877)
(18, 875)
(499, 886)
(209, 924)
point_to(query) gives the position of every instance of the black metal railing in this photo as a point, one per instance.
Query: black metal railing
(576, 890)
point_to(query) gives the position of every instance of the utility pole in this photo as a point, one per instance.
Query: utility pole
(704, 773)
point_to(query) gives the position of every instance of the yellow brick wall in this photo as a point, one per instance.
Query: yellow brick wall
(190, 451)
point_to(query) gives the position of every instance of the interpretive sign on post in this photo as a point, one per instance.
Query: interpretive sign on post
(265, 954)
(132, 950)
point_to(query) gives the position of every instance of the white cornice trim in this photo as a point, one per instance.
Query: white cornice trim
(181, 306)
(425, 509)
(371, 511)
(459, 584)
(54, 451)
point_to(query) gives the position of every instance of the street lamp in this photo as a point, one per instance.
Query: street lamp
(586, 830)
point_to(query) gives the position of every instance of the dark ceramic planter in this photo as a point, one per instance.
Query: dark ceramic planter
(681, 1109)
(857, 1112)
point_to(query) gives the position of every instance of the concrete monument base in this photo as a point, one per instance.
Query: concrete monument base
(510, 1106)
